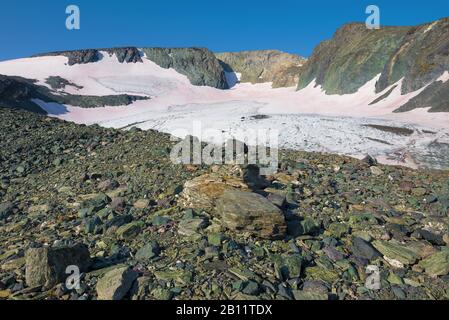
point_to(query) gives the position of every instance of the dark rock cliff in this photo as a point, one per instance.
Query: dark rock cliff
(18, 93)
(198, 64)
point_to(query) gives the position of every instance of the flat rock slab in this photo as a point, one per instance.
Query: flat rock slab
(115, 284)
(202, 192)
(437, 264)
(250, 212)
(396, 253)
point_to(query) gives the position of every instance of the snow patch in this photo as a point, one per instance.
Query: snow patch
(444, 77)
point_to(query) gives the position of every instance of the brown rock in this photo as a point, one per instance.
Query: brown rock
(202, 192)
(142, 204)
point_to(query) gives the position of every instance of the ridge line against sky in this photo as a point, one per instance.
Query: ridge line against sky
(31, 27)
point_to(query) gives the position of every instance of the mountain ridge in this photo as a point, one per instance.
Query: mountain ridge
(260, 66)
(413, 58)
(354, 55)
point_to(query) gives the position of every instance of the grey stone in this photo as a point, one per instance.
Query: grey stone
(250, 212)
(115, 284)
(433, 238)
(190, 227)
(363, 249)
(149, 251)
(6, 210)
(47, 266)
(252, 288)
(333, 254)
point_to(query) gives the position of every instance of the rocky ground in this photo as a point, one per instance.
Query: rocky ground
(139, 227)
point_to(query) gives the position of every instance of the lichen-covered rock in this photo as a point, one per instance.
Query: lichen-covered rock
(302, 295)
(198, 64)
(289, 267)
(190, 227)
(115, 284)
(47, 266)
(395, 253)
(321, 274)
(203, 191)
(250, 212)
(148, 251)
(180, 277)
(437, 264)
(130, 230)
(282, 69)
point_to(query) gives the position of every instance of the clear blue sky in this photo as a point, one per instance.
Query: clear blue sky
(34, 26)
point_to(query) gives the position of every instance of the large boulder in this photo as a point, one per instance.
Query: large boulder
(251, 212)
(202, 192)
(47, 266)
(228, 196)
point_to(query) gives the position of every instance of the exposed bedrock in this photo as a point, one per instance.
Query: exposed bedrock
(198, 64)
(280, 68)
(355, 55)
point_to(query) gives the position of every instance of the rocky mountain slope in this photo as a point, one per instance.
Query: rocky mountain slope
(355, 55)
(140, 227)
(282, 69)
(20, 93)
(198, 64)
(124, 55)
(201, 66)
